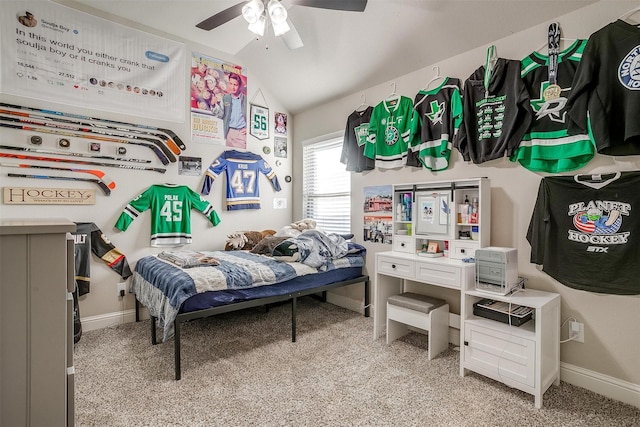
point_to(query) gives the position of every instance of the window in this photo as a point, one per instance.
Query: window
(326, 187)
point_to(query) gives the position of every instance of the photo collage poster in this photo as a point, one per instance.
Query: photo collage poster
(218, 102)
(378, 208)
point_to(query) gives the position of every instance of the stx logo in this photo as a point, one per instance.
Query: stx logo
(597, 249)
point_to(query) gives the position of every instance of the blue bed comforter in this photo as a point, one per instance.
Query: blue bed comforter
(162, 286)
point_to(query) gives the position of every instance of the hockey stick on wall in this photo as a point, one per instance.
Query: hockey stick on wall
(167, 132)
(23, 111)
(76, 161)
(68, 124)
(163, 158)
(70, 153)
(105, 189)
(98, 173)
(154, 144)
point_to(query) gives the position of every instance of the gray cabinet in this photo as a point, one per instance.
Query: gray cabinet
(36, 322)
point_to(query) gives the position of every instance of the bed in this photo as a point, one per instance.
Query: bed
(235, 280)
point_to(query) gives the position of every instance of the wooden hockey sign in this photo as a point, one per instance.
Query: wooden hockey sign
(48, 196)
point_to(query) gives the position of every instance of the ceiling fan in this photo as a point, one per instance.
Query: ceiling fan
(257, 12)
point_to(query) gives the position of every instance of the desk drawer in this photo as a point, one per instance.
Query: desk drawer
(437, 274)
(403, 244)
(396, 267)
(463, 249)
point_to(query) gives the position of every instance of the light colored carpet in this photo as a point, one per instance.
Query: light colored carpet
(241, 369)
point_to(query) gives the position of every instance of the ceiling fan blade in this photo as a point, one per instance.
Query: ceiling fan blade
(346, 5)
(221, 17)
(291, 38)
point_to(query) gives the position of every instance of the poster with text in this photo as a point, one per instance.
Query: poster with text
(55, 53)
(218, 98)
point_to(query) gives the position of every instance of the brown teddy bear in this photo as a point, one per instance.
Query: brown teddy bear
(245, 240)
(266, 245)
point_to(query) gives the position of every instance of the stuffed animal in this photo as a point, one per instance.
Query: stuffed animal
(245, 240)
(304, 224)
(235, 241)
(267, 233)
(266, 245)
(253, 237)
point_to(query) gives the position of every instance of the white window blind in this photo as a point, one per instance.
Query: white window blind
(326, 187)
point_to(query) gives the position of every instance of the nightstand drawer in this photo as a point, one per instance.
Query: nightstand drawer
(438, 274)
(403, 244)
(396, 267)
(500, 355)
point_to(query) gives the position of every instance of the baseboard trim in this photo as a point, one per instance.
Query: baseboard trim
(605, 385)
(91, 323)
(345, 302)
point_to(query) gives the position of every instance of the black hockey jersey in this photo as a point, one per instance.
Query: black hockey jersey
(439, 114)
(585, 233)
(547, 146)
(494, 122)
(607, 86)
(355, 138)
(88, 239)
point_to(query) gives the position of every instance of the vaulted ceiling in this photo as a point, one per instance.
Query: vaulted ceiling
(344, 52)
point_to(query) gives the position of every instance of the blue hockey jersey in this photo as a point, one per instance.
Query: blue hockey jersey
(242, 170)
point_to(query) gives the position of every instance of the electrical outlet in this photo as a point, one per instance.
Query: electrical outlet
(122, 289)
(576, 331)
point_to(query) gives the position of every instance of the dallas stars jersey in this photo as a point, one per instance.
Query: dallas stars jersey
(170, 206)
(439, 114)
(355, 138)
(390, 134)
(494, 121)
(242, 170)
(585, 231)
(546, 146)
(88, 239)
(607, 86)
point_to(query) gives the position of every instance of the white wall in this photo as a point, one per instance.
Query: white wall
(134, 243)
(611, 346)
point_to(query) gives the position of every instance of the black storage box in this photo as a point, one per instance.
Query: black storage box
(499, 310)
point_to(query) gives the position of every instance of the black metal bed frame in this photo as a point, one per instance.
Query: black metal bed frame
(292, 296)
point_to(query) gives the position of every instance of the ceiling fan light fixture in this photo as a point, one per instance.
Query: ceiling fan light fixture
(258, 27)
(252, 11)
(280, 28)
(277, 13)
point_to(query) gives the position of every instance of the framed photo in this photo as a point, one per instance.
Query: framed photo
(280, 147)
(433, 213)
(259, 121)
(190, 166)
(433, 248)
(280, 120)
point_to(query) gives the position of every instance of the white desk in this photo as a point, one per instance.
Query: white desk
(526, 357)
(393, 268)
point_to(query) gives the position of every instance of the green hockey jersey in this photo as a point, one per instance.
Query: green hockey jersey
(390, 133)
(547, 146)
(170, 206)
